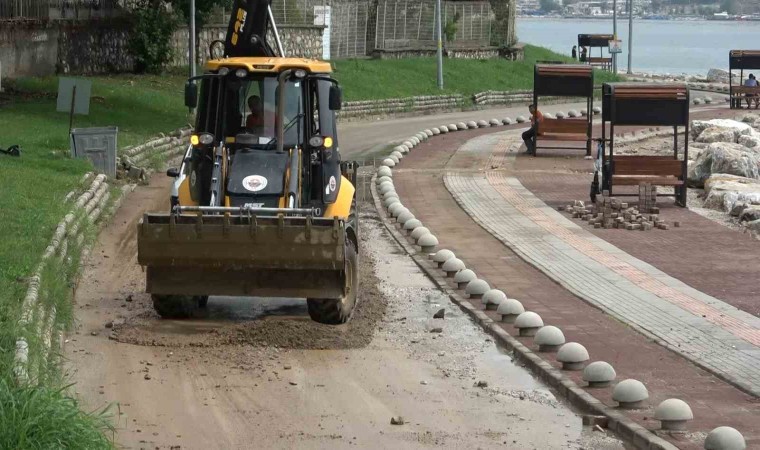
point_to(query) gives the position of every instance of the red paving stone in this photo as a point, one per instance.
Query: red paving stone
(666, 374)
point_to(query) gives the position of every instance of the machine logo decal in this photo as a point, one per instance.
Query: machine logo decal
(193, 178)
(333, 184)
(254, 183)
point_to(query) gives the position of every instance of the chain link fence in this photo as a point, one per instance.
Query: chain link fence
(58, 9)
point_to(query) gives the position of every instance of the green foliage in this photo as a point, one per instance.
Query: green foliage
(450, 30)
(150, 41)
(364, 79)
(731, 6)
(549, 5)
(37, 417)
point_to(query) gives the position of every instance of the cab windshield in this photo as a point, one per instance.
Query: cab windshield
(249, 105)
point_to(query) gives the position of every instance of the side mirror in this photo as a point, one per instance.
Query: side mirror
(335, 97)
(191, 94)
(172, 172)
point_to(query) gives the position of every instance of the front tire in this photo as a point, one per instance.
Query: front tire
(336, 311)
(176, 306)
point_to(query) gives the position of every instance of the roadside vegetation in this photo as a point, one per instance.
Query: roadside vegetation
(368, 79)
(42, 415)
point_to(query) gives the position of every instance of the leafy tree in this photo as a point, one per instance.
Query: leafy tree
(150, 41)
(731, 6)
(549, 5)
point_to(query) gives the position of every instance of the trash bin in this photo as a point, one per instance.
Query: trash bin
(99, 145)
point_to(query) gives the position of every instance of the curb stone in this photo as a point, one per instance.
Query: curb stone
(626, 428)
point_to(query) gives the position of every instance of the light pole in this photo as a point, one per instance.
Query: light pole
(191, 42)
(614, 34)
(440, 43)
(630, 35)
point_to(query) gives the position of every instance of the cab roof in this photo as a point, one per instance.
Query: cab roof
(269, 64)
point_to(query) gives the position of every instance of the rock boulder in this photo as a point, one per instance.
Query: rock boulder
(738, 128)
(727, 192)
(723, 158)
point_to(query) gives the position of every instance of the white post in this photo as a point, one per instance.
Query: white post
(630, 35)
(440, 44)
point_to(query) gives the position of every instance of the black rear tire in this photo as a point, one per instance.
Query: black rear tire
(176, 306)
(336, 311)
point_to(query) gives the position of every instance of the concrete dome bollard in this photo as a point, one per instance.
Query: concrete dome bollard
(380, 180)
(573, 113)
(453, 127)
(409, 144)
(495, 122)
(560, 115)
(416, 139)
(441, 256)
(394, 158)
(572, 356)
(483, 124)
(389, 201)
(390, 193)
(476, 288)
(461, 126)
(385, 171)
(452, 266)
(549, 338)
(708, 100)
(697, 101)
(463, 277)
(471, 124)
(397, 154)
(399, 211)
(389, 162)
(725, 438)
(429, 133)
(428, 242)
(528, 323)
(418, 233)
(673, 414)
(550, 116)
(521, 119)
(584, 113)
(410, 225)
(507, 121)
(599, 374)
(436, 131)
(630, 394)
(596, 110)
(443, 129)
(509, 310)
(493, 298)
(404, 216)
(386, 187)
(394, 208)
(403, 149)
(423, 136)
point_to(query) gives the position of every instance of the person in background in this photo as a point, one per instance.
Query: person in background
(529, 136)
(574, 53)
(752, 82)
(255, 120)
(584, 54)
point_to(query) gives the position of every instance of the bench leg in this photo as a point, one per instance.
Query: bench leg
(681, 192)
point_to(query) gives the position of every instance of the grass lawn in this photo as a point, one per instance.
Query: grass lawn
(34, 185)
(364, 79)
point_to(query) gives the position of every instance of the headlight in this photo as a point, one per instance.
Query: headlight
(300, 73)
(202, 139)
(316, 141)
(241, 73)
(224, 71)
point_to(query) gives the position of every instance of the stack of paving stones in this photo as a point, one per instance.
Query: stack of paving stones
(610, 212)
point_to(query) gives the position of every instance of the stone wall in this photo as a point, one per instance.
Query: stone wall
(28, 48)
(512, 53)
(94, 47)
(300, 41)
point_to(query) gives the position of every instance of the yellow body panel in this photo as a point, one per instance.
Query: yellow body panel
(184, 194)
(342, 206)
(267, 64)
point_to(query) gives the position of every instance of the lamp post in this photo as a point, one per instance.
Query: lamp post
(440, 43)
(614, 34)
(630, 35)
(191, 43)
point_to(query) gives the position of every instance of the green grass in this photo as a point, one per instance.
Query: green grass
(33, 187)
(365, 79)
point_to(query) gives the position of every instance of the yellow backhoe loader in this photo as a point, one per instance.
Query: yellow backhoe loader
(262, 204)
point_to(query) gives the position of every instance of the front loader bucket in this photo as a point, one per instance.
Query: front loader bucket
(241, 255)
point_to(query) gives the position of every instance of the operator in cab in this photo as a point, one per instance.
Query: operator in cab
(255, 120)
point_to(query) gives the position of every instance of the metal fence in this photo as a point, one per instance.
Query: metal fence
(411, 24)
(58, 9)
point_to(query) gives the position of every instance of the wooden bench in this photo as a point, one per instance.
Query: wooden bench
(740, 94)
(563, 130)
(604, 63)
(657, 170)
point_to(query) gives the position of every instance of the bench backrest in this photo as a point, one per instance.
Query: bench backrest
(745, 90)
(599, 60)
(563, 126)
(647, 165)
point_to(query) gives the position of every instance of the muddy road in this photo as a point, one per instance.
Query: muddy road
(257, 373)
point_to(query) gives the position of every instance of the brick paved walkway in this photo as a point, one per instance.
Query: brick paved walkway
(711, 333)
(419, 181)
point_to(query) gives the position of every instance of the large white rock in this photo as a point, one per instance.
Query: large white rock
(724, 192)
(724, 157)
(717, 134)
(749, 141)
(698, 127)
